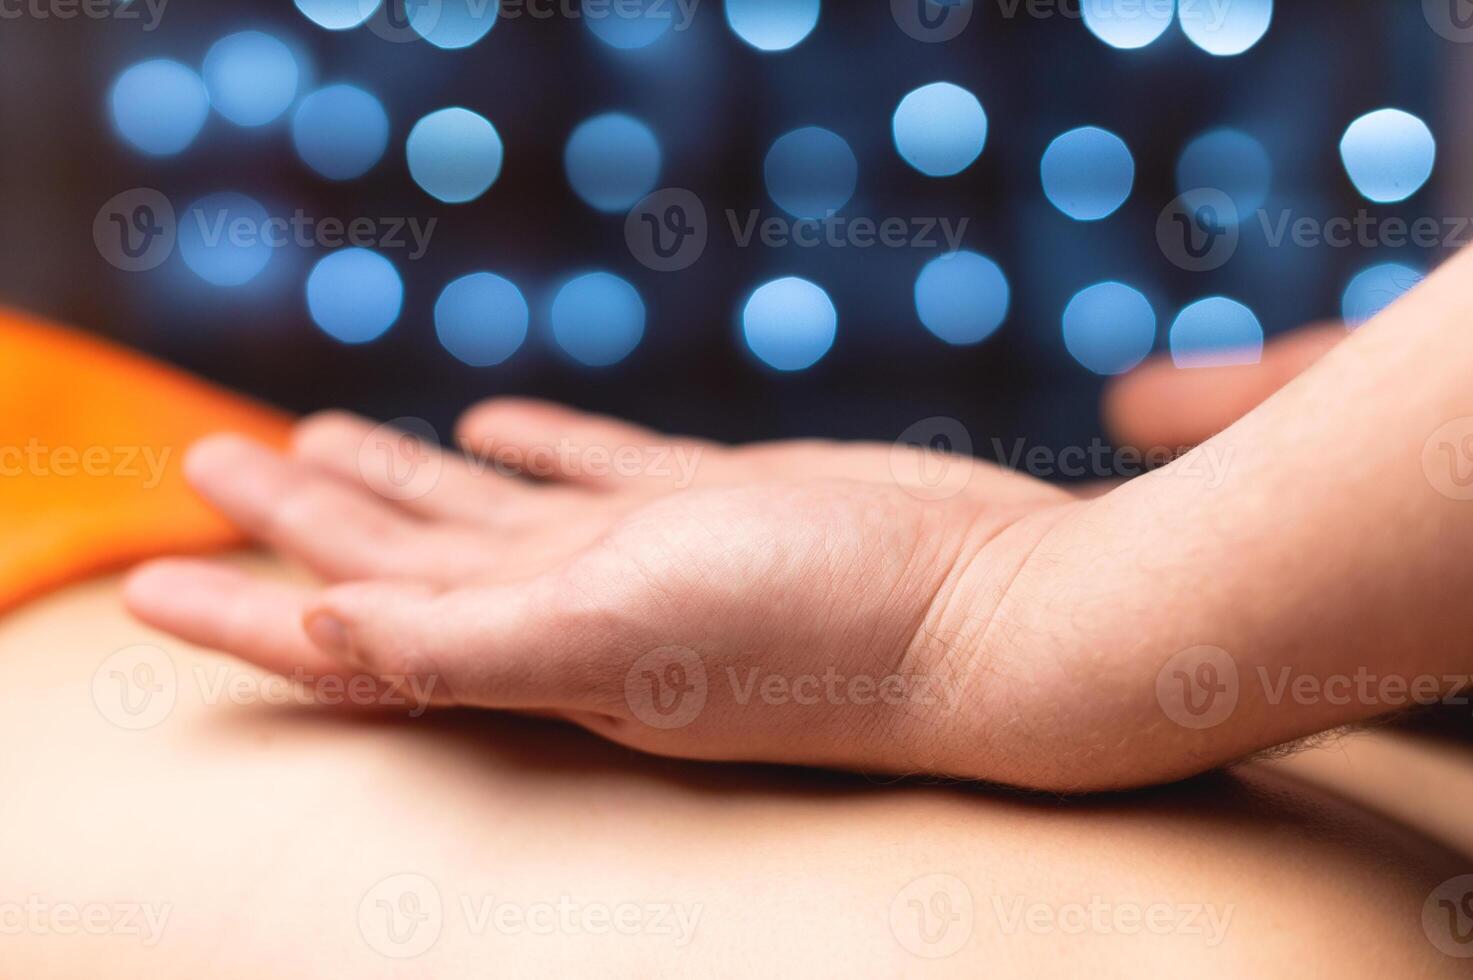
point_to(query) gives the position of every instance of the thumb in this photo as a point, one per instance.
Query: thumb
(1161, 405)
(490, 647)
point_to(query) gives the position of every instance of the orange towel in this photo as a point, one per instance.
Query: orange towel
(91, 441)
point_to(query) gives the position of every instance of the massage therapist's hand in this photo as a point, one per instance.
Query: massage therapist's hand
(793, 602)
(812, 603)
(796, 602)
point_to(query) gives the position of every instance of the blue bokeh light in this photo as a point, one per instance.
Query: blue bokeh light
(772, 25)
(1389, 155)
(454, 155)
(612, 161)
(1374, 289)
(1088, 173)
(811, 172)
(159, 106)
(598, 319)
(1109, 327)
(1127, 25)
(630, 24)
(251, 77)
(1226, 29)
(481, 319)
(1230, 161)
(452, 24)
(338, 15)
(340, 131)
(354, 295)
(790, 323)
(1216, 332)
(940, 129)
(224, 239)
(962, 298)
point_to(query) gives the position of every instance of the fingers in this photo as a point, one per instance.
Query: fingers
(491, 647)
(213, 606)
(1160, 405)
(337, 530)
(420, 477)
(259, 621)
(551, 442)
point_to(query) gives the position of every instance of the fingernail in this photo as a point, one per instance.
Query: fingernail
(331, 635)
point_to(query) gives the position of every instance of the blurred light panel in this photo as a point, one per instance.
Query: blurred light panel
(598, 319)
(962, 298)
(940, 129)
(612, 161)
(811, 172)
(1230, 161)
(1226, 28)
(451, 24)
(772, 25)
(790, 323)
(481, 319)
(223, 239)
(630, 24)
(1376, 288)
(1109, 327)
(1088, 173)
(1216, 332)
(454, 155)
(159, 106)
(251, 77)
(338, 15)
(1389, 154)
(1127, 25)
(340, 131)
(354, 295)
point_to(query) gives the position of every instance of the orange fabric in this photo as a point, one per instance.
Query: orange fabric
(92, 438)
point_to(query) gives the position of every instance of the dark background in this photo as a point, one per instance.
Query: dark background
(716, 105)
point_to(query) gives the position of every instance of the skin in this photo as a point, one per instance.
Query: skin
(1023, 631)
(261, 826)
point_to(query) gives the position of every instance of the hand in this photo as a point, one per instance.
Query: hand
(795, 602)
(829, 607)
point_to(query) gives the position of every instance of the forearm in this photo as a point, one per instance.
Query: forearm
(1311, 541)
